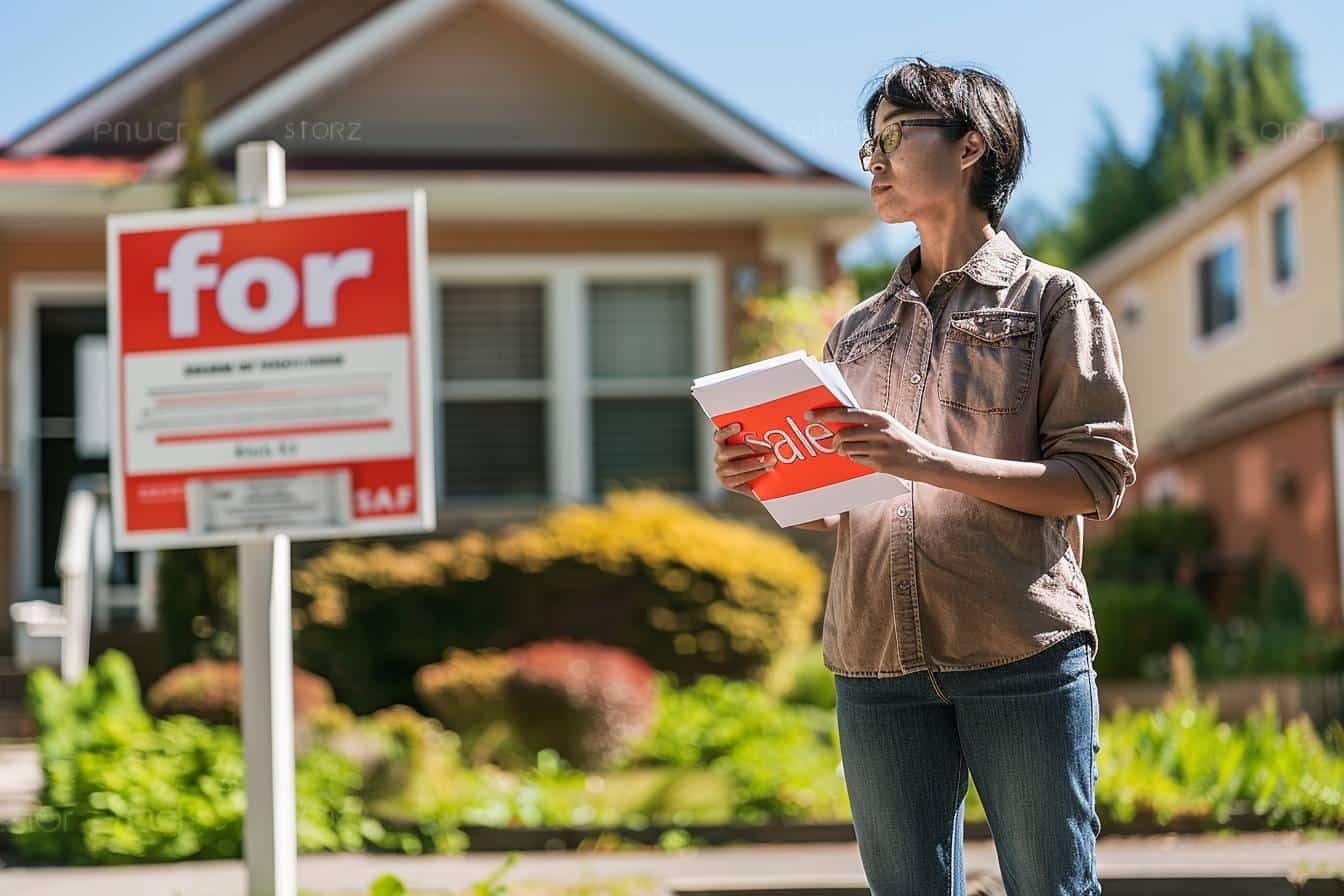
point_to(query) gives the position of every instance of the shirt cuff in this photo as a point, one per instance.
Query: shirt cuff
(1105, 495)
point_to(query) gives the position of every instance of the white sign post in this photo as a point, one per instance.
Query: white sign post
(271, 379)
(265, 651)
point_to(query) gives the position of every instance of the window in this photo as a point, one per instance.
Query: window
(1219, 289)
(562, 376)
(493, 385)
(641, 337)
(1283, 242)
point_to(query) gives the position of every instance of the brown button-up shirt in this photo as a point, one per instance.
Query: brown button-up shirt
(1006, 357)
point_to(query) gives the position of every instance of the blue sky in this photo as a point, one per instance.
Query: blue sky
(798, 66)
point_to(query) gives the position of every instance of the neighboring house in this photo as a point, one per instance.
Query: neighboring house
(593, 217)
(1230, 310)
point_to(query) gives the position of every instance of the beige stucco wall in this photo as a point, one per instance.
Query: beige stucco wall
(1169, 373)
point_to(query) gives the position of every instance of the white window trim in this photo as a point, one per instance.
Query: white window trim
(28, 292)
(1231, 233)
(1286, 193)
(568, 387)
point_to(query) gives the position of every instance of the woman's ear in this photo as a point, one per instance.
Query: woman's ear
(972, 148)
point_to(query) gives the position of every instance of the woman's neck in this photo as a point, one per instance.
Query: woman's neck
(945, 244)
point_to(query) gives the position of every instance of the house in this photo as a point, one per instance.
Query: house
(1230, 311)
(593, 216)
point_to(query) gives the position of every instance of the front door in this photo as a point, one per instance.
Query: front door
(72, 424)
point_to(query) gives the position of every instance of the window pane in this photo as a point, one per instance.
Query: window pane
(494, 448)
(1218, 289)
(640, 328)
(644, 441)
(493, 331)
(1284, 250)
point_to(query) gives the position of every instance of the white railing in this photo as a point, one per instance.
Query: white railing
(47, 632)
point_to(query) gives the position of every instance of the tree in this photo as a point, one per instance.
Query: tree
(197, 182)
(1216, 107)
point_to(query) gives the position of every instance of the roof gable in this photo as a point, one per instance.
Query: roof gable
(301, 58)
(482, 88)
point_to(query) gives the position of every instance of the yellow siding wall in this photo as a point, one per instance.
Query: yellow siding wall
(1170, 376)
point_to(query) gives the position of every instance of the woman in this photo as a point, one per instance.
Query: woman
(958, 625)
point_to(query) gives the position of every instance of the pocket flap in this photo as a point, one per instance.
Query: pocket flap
(994, 325)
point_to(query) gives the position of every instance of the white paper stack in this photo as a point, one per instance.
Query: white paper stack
(770, 399)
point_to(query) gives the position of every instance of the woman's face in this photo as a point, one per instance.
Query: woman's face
(927, 171)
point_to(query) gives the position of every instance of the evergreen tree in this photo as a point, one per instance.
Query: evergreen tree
(1216, 107)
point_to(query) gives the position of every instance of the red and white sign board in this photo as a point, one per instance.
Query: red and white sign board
(271, 372)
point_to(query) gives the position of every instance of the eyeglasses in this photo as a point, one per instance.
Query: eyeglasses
(891, 135)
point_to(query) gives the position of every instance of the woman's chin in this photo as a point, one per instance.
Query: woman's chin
(888, 215)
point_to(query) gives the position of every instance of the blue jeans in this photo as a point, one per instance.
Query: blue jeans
(1027, 732)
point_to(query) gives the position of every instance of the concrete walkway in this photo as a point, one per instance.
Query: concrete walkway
(1135, 864)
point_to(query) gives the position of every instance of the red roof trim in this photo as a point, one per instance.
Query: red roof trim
(69, 169)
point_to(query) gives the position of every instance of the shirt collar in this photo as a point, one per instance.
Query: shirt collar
(993, 264)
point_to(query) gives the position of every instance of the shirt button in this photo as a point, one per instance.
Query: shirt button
(915, 379)
(904, 586)
(903, 510)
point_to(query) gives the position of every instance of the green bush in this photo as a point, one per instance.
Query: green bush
(212, 690)
(801, 676)
(1136, 624)
(1243, 647)
(1164, 543)
(686, 591)
(120, 786)
(782, 759)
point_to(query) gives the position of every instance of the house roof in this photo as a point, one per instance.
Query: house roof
(1195, 212)
(384, 23)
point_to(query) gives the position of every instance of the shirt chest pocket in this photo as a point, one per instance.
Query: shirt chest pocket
(864, 360)
(987, 359)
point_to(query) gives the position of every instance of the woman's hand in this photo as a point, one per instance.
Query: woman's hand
(737, 465)
(879, 441)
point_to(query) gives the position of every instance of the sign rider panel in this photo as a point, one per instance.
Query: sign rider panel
(252, 343)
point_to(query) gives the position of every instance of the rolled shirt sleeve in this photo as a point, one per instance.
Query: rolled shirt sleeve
(1085, 416)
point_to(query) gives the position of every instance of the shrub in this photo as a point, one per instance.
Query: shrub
(465, 691)
(1164, 543)
(1246, 647)
(688, 592)
(1136, 624)
(588, 702)
(802, 677)
(212, 690)
(774, 324)
(120, 786)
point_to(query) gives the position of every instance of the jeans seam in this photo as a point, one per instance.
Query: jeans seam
(937, 690)
(952, 833)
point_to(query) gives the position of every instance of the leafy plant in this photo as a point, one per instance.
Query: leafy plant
(775, 324)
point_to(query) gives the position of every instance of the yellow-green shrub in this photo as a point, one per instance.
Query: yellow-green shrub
(688, 592)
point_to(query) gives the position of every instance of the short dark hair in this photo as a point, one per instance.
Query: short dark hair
(976, 100)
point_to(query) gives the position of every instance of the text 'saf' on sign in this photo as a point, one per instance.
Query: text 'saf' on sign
(271, 372)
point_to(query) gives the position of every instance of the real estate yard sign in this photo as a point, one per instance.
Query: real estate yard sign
(271, 372)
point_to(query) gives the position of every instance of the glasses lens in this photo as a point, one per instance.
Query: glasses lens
(891, 138)
(865, 154)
